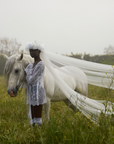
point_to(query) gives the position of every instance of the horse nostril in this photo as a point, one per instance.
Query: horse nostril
(10, 91)
(14, 91)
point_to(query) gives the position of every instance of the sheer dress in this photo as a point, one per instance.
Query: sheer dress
(35, 86)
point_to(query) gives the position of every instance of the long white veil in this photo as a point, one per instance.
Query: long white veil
(97, 74)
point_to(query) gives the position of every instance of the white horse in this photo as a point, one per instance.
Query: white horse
(15, 75)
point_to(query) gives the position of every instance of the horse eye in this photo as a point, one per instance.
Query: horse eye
(16, 71)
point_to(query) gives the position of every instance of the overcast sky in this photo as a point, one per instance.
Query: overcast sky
(64, 26)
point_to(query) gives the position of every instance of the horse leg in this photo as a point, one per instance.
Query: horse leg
(68, 103)
(47, 109)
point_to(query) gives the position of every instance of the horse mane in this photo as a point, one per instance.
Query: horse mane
(10, 63)
(8, 67)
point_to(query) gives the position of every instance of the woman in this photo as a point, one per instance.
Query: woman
(36, 96)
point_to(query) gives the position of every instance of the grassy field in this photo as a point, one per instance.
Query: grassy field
(64, 127)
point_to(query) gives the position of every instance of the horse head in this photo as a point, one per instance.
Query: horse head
(15, 73)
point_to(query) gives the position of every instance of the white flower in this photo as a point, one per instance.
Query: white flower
(34, 45)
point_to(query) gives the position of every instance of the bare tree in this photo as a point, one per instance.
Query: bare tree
(109, 50)
(9, 46)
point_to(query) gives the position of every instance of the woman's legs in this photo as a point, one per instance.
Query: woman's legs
(36, 112)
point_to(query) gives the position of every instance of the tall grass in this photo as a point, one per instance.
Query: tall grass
(64, 127)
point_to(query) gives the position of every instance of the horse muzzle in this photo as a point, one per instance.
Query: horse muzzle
(13, 91)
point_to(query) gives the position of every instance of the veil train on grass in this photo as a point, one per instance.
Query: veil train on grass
(97, 74)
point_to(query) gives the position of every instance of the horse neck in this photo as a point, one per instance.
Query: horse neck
(27, 60)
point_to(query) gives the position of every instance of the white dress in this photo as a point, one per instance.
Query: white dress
(35, 86)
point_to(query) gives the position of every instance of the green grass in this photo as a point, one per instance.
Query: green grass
(64, 127)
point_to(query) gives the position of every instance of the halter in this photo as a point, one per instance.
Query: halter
(22, 83)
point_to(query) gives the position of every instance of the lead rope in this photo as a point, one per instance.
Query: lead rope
(22, 83)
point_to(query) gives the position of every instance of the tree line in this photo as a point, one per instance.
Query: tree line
(104, 59)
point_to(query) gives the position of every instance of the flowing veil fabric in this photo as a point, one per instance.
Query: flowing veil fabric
(97, 74)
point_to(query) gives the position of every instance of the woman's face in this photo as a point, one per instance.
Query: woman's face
(34, 53)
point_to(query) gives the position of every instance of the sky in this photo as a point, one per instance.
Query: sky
(64, 26)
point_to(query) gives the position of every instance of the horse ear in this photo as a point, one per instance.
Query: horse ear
(5, 56)
(21, 57)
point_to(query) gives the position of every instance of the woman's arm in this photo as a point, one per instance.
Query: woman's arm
(34, 75)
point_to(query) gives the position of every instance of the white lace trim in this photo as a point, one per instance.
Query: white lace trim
(35, 87)
(38, 121)
(32, 121)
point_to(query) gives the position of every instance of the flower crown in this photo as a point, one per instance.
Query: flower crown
(35, 45)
